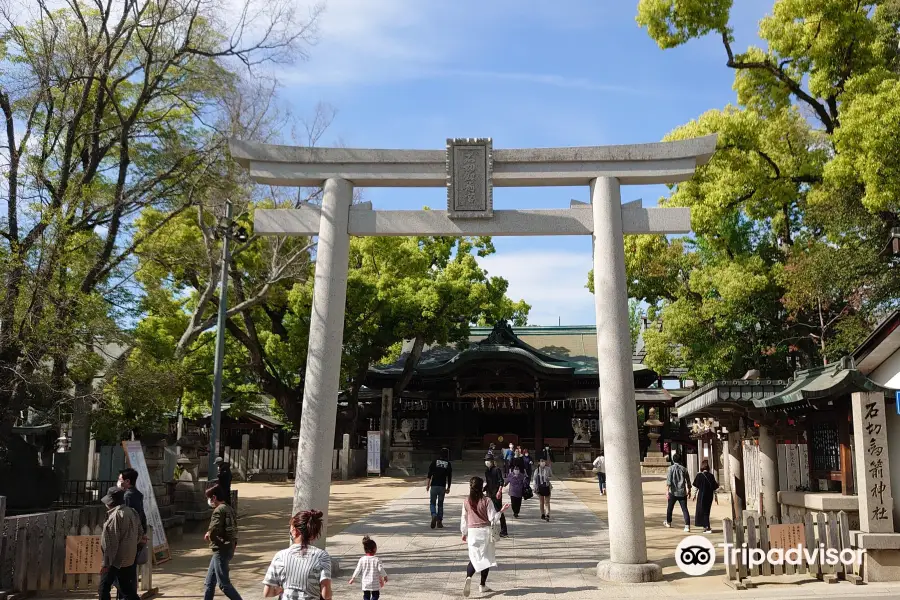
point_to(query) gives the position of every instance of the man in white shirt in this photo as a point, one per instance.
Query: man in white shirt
(600, 470)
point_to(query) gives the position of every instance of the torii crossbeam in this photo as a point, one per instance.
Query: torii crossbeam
(469, 169)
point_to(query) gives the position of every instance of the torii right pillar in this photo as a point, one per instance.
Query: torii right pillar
(627, 538)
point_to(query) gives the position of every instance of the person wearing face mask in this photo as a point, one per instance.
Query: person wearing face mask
(133, 497)
(517, 483)
(302, 571)
(529, 464)
(222, 538)
(542, 486)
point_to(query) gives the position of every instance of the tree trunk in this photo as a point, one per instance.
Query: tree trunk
(412, 359)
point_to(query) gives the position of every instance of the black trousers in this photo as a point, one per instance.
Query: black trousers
(684, 509)
(497, 506)
(516, 504)
(470, 572)
(369, 595)
(124, 578)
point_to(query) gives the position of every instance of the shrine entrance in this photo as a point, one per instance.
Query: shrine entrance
(469, 169)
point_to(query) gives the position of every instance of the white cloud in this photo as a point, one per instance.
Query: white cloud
(552, 282)
(547, 80)
(369, 41)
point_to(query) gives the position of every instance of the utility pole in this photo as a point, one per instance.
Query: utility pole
(216, 417)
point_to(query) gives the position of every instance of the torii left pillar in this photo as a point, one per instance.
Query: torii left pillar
(323, 362)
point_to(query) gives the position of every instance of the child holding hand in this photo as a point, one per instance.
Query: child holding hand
(371, 571)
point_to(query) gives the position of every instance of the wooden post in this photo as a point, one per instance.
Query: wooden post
(810, 533)
(245, 454)
(823, 540)
(345, 457)
(764, 545)
(387, 415)
(751, 539)
(20, 579)
(145, 572)
(728, 532)
(539, 427)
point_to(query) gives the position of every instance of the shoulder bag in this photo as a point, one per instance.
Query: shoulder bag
(143, 554)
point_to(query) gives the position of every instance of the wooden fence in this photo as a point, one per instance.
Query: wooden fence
(832, 532)
(33, 551)
(247, 462)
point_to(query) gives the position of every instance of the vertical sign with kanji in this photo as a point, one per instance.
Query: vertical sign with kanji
(872, 468)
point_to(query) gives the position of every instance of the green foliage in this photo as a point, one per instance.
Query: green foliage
(790, 212)
(674, 22)
(139, 396)
(111, 110)
(425, 288)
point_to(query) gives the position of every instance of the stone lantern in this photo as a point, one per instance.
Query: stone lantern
(654, 462)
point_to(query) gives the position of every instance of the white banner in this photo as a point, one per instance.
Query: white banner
(134, 452)
(373, 453)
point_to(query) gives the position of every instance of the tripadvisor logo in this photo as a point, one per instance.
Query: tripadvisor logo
(696, 555)
(754, 557)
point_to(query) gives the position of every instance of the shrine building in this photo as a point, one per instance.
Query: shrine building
(525, 385)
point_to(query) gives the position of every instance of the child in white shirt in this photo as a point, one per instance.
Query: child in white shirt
(370, 568)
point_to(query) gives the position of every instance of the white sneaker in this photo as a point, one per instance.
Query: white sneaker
(666, 524)
(484, 589)
(707, 531)
(467, 587)
(687, 528)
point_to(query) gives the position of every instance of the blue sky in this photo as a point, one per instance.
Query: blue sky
(411, 73)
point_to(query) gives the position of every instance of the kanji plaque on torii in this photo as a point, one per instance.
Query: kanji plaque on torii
(470, 186)
(470, 168)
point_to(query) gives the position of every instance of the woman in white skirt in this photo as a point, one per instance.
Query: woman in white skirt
(478, 515)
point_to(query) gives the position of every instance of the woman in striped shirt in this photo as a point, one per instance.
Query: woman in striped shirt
(302, 572)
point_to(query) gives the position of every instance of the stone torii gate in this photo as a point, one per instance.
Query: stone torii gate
(469, 169)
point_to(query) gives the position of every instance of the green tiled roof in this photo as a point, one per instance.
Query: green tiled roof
(837, 379)
(503, 341)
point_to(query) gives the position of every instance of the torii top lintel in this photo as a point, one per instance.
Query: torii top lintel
(631, 164)
(469, 168)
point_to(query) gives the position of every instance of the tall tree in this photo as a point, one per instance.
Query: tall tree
(790, 212)
(424, 289)
(109, 109)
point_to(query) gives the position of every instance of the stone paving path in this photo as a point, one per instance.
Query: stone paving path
(539, 559)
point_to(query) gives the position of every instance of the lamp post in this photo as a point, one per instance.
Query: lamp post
(240, 234)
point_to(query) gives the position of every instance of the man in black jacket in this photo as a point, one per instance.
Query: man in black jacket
(438, 485)
(493, 485)
(133, 497)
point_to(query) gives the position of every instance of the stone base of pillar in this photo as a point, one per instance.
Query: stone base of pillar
(628, 573)
(654, 463)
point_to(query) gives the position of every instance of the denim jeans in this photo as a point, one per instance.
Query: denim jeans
(218, 574)
(437, 501)
(601, 479)
(684, 509)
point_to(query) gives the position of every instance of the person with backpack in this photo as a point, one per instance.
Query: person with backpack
(678, 490)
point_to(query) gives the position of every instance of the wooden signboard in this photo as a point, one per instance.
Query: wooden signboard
(134, 454)
(83, 554)
(787, 536)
